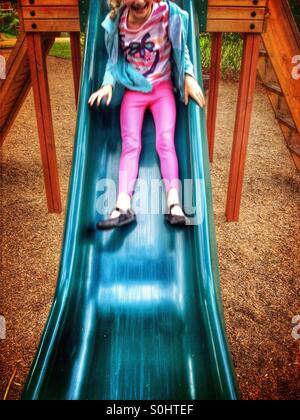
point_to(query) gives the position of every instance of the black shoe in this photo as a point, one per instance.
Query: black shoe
(176, 220)
(125, 218)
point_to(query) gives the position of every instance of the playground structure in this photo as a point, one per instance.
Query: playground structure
(266, 25)
(280, 75)
(115, 300)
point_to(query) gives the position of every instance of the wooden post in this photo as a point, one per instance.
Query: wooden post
(242, 125)
(39, 78)
(76, 61)
(214, 80)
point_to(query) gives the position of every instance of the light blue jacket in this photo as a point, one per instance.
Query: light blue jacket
(119, 70)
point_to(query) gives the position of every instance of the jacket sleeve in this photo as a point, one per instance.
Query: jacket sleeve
(188, 66)
(108, 78)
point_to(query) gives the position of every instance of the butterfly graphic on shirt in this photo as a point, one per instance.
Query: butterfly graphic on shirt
(144, 49)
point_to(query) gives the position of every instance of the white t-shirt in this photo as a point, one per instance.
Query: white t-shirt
(148, 48)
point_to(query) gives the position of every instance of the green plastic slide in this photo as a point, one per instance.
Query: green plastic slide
(137, 312)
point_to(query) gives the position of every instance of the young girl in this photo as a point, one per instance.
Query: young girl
(146, 42)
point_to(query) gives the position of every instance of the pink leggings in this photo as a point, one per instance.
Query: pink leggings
(161, 102)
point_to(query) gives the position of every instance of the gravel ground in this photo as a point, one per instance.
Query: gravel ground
(259, 256)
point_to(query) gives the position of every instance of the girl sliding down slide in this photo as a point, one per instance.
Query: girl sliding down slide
(147, 49)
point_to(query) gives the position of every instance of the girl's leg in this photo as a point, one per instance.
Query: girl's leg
(131, 118)
(133, 109)
(163, 108)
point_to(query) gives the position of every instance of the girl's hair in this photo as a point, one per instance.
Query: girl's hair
(115, 6)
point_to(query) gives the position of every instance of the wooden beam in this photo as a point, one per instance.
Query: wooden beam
(49, 25)
(37, 61)
(240, 13)
(229, 25)
(76, 61)
(10, 99)
(8, 122)
(242, 125)
(14, 89)
(235, 3)
(49, 3)
(215, 66)
(50, 12)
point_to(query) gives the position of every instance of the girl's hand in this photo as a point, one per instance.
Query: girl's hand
(192, 88)
(105, 91)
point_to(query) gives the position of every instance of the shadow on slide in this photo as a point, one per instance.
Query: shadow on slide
(137, 313)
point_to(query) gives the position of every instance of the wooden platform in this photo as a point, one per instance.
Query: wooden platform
(236, 16)
(50, 15)
(247, 16)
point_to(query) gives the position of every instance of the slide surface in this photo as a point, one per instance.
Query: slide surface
(137, 312)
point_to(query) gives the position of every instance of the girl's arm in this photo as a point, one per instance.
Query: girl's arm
(193, 90)
(106, 89)
(108, 78)
(188, 65)
(103, 92)
(191, 86)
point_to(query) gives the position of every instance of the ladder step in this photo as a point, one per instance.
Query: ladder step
(274, 88)
(286, 120)
(263, 53)
(295, 150)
